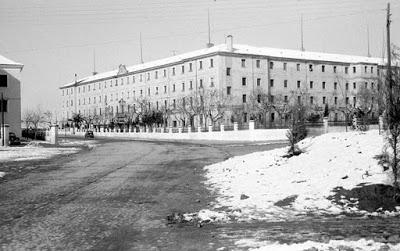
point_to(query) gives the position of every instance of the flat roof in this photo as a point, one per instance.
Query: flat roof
(238, 49)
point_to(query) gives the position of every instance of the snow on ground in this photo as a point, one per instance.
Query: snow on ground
(41, 150)
(247, 187)
(362, 244)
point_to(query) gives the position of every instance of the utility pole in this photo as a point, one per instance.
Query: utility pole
(389, 68)
(141, 48)
(2, 120)
(301, 33)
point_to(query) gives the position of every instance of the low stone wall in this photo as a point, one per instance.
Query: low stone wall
(242, 135)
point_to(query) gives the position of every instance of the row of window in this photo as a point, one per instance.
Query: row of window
(323, 84)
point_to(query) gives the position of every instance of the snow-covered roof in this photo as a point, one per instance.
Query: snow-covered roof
(237, 49)
(6, 63)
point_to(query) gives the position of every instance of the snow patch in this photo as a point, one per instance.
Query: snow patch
(268, 179)
(362, 244)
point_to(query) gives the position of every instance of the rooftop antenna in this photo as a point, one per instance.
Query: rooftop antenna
(94, 62)
(301, 33)
(209, 44)
(141, 48)
(369, 53)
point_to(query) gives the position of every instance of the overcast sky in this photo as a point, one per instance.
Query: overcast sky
(55, 39)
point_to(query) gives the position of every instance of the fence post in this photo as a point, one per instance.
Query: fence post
(170, 129)
(179, 129)
(380, 124)
(235, 126)
(251, 125)
(222, 128)
(325, 119)
(210, 128)
(199, 129)
(189, 129)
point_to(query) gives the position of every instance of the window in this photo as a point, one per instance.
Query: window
(133, 79)
(211, 63)
(298, 84)
(271, 83)
(165, 89)
(89, 87)
(228, 90)
(156, 92)
(372, 85)
(286, 99)
(285, 83)
(323, 68)
(165, 103)
(258, 63)
(173, 87)
(122, 83)
(311, 100)
(272, 117)
(243, 62)
(259, 98)
(299, 99)
(346, 70)
(271, 98)
(245, 117)
(334, 69)
(201, 83)
(347, 86)
(200, 65)
(243, 81)
(174, 105)
(310, 67)
(354, 85)
(173, 71)
(271, 65)
(156, 74)
(228, 71)
(183, 69)
(298, 67)
(335, 100)
(323, 100)
(165, 73)
(148, 76)
(4, 106)
(347, 100)
(335, 86)
(141, 78)
(211, 82)
(366, 85)
(284, 66)
(365, 69)
(311, 84)
(372, 69)
(244, 98)
(190, 85)
(354, 69)
(258, 81)
(190, 67)
(183, 87)
(323, 85)
(3, 81)
(148, 91)
(354, 101)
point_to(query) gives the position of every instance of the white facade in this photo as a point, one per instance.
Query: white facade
(238, 72)
(10, 89)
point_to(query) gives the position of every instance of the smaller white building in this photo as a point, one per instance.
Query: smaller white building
(10, 95)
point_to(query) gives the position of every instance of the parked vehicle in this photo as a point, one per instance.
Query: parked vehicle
(13, 139)
(89, 135)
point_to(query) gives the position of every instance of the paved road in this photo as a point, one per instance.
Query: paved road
(114, 197)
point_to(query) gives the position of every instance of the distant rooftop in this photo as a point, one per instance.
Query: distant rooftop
(237, 49)
(6, 63)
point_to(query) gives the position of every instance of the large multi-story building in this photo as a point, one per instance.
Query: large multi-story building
(236, 73)
(10, 95)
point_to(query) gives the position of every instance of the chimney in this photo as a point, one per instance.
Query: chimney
(229, 43)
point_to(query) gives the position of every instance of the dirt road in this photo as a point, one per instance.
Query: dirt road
(114, 197)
